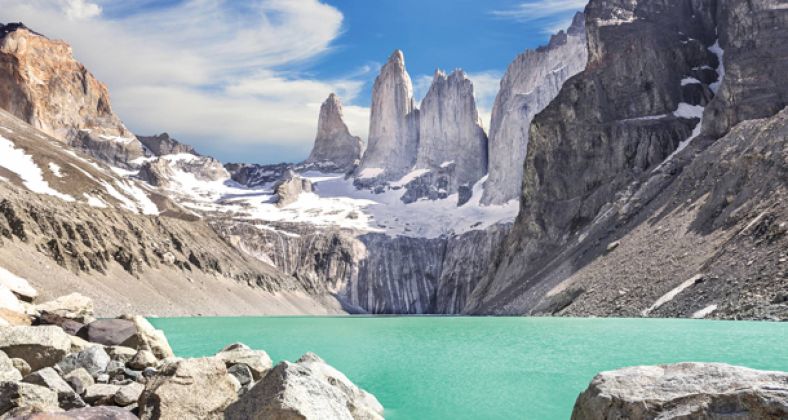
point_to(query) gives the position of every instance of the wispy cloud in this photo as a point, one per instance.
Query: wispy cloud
(217, 73)
(550, 15)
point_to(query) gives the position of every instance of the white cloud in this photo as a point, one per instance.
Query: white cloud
(205, 70)
(536, 10)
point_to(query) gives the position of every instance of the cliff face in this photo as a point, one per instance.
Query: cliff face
(394, 124)
(603, 154)
(532, 80)
(450, 131)
(42, 84)
(163, 144)
(335, 148)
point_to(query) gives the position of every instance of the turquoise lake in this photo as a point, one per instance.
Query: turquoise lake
(484, 368)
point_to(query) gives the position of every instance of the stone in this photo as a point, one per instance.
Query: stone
(19, 398)
(87, 413)
(75, 110)
(8, 370)
(100, 394)
(93, 359)
(102, 378)
(294, 390)
(115, 367)
(128, 394)
(40, 347)
(142, 360)
(290, 188)
(530, 83)
(19, 286)
(121, 353)
(78, 344)
(21, 366)
(257, 361)
(335, 149)
(134, 375)
(49, 378)
(110, 332)
(149, 336)
(451, 133)
(242, 373)
(149, 372)
(70, 326)
(684, 390)
(190, 388)
(79, 379)
(74, 306)
(9, 318)
(394, 124)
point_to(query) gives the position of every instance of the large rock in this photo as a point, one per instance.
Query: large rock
(128, 394)
(87, 413)
(68, 325)
(20, 398)
(8, 372)
(532, 80)
(450, 131)
(290, 188)
(49, 378)
(394, 124)
(162, 144)
(40, 347)
(309, 389)
(149, 336)
(129, 331)
(335, 148)
(101, 394)
(257, 361)
(74, 306)
(79, 380)
(93, 359)
(190, 388)
(686, 391)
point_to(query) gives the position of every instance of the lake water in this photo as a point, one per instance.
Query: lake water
(484, 368)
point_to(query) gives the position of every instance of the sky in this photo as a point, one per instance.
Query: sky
(243, 80)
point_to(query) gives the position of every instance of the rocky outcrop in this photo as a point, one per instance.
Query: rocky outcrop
(42, 84)
(335, 148)
(162, 144)
(40, 347)
(530, 83)
(684, 390)
(450, 135)
(160, 171)
(290, 188)
(394, 124)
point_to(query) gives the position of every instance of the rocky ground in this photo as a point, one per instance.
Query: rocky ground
(68, 365)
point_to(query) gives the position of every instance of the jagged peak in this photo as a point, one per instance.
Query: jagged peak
(578, 25)
(10, 27)
(397, 57)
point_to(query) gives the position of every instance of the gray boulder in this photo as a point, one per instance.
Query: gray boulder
(120, 353)
(22, 366)
(49, 378)
(142, 360)
(8, 372)
(128, 394)
(20, 398)
(101, 394)
(87, 413)
(188, 389)
(309, 389)
(74, 306)
(258, 361)
(711, 391)
(93, 359)
(40, 347)
(109, 332)
(79, 379)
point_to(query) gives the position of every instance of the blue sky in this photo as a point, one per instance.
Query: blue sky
(243, 81)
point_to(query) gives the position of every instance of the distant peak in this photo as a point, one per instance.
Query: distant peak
(397, 56)
(11, 27)
(439, 74)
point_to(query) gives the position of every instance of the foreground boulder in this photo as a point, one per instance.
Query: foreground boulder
(309, 389)
(686, 391)
(20, 398)
(87, 413)
(258, 361)
(93, 359)
(8, 372)
(40, 346)
(75, 306)
(188, 389)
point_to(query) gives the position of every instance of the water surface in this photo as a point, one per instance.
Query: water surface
(484, 368)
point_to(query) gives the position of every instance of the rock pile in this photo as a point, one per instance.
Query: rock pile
(69, 365)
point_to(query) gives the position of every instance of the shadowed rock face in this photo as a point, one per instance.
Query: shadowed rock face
(602, 151)
(450, 131)
(42, 84)
(532, 80)
(394, 124)
(334, 145)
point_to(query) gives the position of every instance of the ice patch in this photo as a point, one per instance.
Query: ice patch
(667, 297)
(370, 172)
(704, 312)
(145, 204)
(55, 168)
(720, 53)
(446, 164)
(15, 160)
(409, 177)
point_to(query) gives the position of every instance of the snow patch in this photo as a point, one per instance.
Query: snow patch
(409, 177)
(145, 204)
(446, 164)
(667, 297)
(370, 172)
(16, 284)
(95, 201)
(55, 168)
(690, 81)
(15, 160)
(720, 53)
(704, 312)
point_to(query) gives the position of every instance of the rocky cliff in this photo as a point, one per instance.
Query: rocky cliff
(163, 144)
(620, 157)
(42, 84)
(335, 148)
(394, 124)
(451, 138)
(531, 82)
